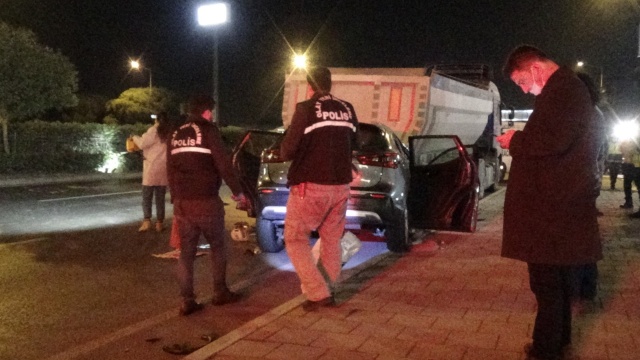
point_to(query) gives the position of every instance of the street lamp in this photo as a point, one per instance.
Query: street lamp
(213, 15)
(135, 65)
(300, 61)
(582, 64)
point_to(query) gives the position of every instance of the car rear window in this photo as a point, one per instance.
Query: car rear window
(371, 139)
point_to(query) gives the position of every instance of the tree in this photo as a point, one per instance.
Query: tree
(33, 78)
(90, 109)
(137, 104)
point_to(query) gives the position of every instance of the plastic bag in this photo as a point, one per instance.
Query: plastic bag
(131, 145)
(349, 244)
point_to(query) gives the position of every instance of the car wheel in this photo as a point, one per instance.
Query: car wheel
(398, 239)
(471, 218)
(267, 236)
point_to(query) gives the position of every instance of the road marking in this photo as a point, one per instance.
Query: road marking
(91, 196)
(86, 348)
(25, 241)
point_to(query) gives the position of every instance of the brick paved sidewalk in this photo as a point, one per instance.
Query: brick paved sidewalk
(461, 301)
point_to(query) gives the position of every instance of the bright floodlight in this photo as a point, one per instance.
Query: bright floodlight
(300, 61)
(580, 63)
(626, 130)
(212, 14)
(135, 64)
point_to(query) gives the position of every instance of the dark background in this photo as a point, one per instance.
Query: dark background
(255, 48)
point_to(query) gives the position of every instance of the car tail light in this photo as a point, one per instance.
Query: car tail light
(387, 160)
(271, 156)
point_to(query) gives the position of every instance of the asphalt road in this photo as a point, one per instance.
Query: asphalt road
(79, 282)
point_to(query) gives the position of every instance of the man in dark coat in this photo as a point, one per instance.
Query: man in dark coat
(550, 216)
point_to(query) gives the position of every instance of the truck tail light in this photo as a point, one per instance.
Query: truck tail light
(271, 156)
(387, 160)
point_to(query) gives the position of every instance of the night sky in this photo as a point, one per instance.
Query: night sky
(100, 36)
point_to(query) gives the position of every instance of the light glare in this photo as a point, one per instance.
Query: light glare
(626, 130)
(300, 61)
(212, 14)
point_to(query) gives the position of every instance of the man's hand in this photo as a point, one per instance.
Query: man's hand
(241, 201)
(505, 139)
(356, 174)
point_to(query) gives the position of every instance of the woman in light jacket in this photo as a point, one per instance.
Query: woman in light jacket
(154, 170)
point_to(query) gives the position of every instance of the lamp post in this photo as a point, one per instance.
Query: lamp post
(582, 64)
(135, 65)
(213, 15)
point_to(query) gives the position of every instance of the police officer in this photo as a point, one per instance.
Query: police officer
(319, 142)
(196, 165)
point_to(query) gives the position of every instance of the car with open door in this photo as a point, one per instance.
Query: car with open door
(380, 203)
(444, 186)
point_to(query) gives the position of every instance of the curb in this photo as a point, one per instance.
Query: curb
(37, 180)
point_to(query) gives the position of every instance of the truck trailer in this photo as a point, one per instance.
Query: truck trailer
(442, 100)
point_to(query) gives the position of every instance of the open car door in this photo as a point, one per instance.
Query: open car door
(443, 190)
(247, 158)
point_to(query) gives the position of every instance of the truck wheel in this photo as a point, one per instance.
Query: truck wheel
(268, 240)
(398, 237)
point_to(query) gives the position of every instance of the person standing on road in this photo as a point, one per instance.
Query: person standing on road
(197, 163)
(319, 142)
(630, 171)
(153, 144)
(614, 160)
(554, 230)
(587, 274)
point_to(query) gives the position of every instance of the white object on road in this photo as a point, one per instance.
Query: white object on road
(350, 245)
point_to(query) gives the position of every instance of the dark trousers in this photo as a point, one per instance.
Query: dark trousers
(587, 281)
(614, 171)
(553, 286)
(148, 194)
(206, 218)
(631, 175)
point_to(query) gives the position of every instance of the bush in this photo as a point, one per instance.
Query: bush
(45, 147)
(49, 147)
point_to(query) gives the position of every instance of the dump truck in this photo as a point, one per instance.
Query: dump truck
(427, 153)
(440, 100)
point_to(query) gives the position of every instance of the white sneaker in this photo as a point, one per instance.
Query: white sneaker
(146, 225)
(159, 226)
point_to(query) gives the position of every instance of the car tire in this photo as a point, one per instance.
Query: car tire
(398, 236)
(267, 237)
(503, 171)
(471, 219)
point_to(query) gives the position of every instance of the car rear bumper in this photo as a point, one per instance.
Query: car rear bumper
(353, 216)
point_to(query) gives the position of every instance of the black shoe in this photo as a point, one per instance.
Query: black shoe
(626, 206)
(635, 215)
(531, 353)
(189, 307)
(310, 305)
(227, 297)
